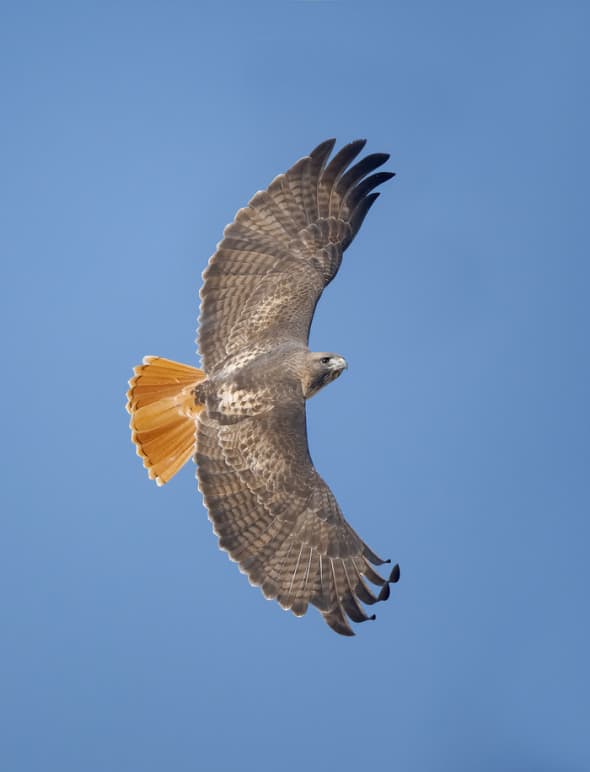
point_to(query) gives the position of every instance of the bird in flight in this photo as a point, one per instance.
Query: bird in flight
(242, 418)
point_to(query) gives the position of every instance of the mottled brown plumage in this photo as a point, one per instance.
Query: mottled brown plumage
(272, 511)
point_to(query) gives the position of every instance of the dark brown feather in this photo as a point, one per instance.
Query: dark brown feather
(263, 282)
(278, 519)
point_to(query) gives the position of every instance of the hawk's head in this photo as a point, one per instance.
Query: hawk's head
(321, 368)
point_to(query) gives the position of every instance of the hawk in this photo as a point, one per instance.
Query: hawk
(242, 418)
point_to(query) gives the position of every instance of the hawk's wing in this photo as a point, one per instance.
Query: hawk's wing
(278, 519)
(263, 282)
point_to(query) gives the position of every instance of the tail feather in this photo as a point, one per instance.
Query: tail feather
(164, 412)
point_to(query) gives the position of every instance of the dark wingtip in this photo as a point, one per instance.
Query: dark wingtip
(392, 579)
(342, 158)
(360, 212)
(375, 559)
(324, 148)
(373, 617)
(384, 593)
(357, 145)
(337, 621)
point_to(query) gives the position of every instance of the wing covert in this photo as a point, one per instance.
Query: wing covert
(278, 519)
(263, 282)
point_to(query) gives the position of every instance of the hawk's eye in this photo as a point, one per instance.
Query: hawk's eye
(325, 360)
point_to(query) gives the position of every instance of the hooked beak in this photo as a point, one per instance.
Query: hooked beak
(338, 364)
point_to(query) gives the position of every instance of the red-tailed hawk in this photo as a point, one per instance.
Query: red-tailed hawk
(242, 418)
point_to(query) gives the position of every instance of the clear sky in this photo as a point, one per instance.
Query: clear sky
(457, 443)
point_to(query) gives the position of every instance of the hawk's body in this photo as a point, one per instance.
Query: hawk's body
(272, 511)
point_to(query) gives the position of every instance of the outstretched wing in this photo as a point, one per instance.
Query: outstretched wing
(278, 519)
(262, 284)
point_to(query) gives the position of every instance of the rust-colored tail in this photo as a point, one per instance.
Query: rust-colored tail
(164, 412)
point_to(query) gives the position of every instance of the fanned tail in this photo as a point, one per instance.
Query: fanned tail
(164, 410)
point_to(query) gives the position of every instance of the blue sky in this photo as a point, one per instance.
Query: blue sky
(457, 442)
